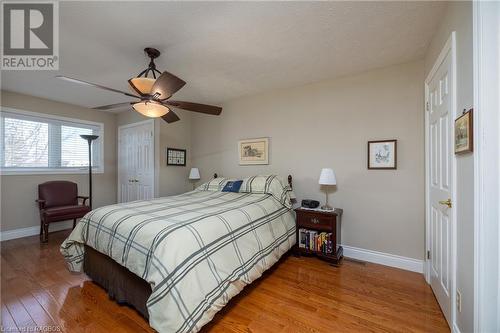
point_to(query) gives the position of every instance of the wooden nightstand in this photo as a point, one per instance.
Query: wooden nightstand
(321, 221)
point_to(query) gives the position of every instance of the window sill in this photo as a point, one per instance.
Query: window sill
(27, 172)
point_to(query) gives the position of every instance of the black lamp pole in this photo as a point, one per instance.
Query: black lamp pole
(89, 139)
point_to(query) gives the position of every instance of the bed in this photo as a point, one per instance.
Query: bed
(179, 260)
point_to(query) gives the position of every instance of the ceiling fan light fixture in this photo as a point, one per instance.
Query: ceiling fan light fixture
(143, 84)
(151, 109)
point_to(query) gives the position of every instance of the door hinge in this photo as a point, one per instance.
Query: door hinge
(427, 106)
(428, 255)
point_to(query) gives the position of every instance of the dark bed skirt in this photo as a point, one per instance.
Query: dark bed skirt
(122, 285)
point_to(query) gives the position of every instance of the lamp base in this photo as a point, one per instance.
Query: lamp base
(326, 207)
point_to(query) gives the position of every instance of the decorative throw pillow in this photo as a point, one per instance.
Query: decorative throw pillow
(232, 186)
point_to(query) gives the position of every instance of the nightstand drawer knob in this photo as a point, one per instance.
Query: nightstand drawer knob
(314, 220)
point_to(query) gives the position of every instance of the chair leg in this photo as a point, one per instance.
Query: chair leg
(74, 223)
(41, 231)
(46, 233)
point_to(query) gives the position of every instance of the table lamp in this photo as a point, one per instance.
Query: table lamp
(327, 178)
(194, 175)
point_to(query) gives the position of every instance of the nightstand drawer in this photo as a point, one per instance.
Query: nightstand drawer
(313, 220)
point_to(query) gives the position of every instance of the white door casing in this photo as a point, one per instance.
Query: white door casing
(440, 180)
(136, 161)
(486, 34)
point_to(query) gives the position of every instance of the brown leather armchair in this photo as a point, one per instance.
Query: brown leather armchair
(58, 201)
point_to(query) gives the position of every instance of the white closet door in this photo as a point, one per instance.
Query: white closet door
(136, 162)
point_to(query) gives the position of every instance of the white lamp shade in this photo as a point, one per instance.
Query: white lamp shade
(194, 173)
(327, 177)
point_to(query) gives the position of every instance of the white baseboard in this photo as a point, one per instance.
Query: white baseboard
(33, 231)
(386, 259)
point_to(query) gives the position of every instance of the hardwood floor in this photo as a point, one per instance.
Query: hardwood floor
(297, 295)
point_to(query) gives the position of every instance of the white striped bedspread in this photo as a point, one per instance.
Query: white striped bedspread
(197, 250)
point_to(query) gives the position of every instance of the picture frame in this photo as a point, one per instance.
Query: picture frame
(464, 133)
(253, 151)
(382, 155)
(176, 156)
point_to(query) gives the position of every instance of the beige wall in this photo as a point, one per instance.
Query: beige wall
(170, 180)
(18, 209)
(458, 17)
(328, 124)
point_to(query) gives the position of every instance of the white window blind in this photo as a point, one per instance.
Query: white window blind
(37, 143)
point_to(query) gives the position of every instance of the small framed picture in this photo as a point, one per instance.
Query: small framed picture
(382, 154)
(463, 133)
(176, 156)
(253, 151)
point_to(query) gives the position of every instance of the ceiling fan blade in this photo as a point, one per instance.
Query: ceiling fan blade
(112, 106)
(196, 107)
(170, 117)
(166, 85)
(70, 79)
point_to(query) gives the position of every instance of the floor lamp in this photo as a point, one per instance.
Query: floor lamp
(89, 139)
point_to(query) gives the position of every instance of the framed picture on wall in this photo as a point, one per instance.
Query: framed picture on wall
(176, 156)
(464, 133)
(253, 151)
(382, 154)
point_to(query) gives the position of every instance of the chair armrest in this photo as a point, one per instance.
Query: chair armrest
(84, 199)
(41, 203)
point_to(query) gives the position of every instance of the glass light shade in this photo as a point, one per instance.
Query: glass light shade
(327, 177)
(143, 84)
(194, 174)
(151, 109)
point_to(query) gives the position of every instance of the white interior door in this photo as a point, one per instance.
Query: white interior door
(136, 162)
(440, 154)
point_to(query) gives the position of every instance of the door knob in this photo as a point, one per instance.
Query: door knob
(446, 202)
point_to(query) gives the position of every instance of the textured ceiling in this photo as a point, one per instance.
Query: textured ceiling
(225, 50)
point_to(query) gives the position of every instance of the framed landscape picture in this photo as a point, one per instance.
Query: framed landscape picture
(463, 133)
(253, 151)
(382, 154)
(176, 156)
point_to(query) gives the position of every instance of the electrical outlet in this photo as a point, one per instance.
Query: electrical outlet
(459, 301)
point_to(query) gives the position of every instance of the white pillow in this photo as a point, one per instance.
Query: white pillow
(216, 184)
(270, 184)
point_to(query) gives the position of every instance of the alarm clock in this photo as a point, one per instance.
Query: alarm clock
(307, 203)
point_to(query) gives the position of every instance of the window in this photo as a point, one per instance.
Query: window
(37, 143)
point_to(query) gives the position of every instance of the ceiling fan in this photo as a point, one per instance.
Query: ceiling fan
(153, 93)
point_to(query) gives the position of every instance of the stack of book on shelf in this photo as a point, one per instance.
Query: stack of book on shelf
(315, 241)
